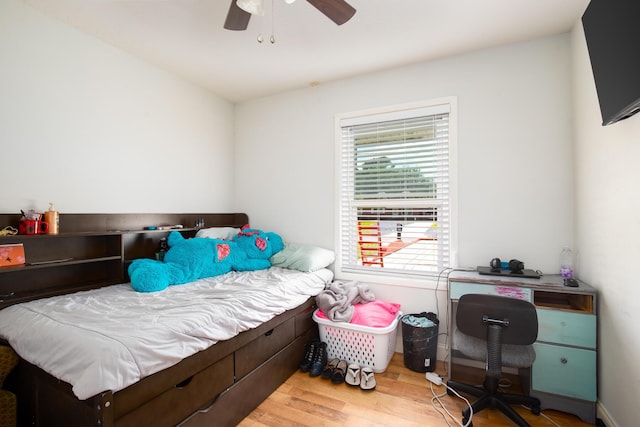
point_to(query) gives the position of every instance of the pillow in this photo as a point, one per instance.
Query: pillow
(305, 258)
(226, 233)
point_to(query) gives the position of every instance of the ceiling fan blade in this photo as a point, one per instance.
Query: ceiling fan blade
(339, 11)
(237, 19)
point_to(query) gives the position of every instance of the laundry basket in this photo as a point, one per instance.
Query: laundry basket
(362, 345)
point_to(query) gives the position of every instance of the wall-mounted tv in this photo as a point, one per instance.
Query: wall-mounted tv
(612, 31)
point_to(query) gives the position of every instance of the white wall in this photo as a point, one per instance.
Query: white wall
(607, 237)
(514, 139)
(97, 130)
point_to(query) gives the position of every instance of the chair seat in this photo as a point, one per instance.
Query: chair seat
(514, 356)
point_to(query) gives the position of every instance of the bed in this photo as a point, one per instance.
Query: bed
(202, 353)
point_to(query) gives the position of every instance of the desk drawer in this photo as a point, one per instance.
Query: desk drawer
(457, 289)
(565, 371)
(263, 347)
(562, 327)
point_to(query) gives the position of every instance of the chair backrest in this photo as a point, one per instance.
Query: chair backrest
(475, 312)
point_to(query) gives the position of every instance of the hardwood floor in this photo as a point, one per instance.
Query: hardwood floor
(402, 398)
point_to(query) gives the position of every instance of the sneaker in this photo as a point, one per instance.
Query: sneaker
(310, 350)
(319, 360)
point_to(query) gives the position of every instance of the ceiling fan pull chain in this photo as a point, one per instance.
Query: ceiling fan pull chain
(273, 14)
(260, 36)
(272, 39)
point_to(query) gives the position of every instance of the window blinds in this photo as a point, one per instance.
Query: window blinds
(394, 179)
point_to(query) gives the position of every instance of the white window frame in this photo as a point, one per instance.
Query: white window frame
(393, 112)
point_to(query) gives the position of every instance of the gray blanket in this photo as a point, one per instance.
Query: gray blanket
(337, 300)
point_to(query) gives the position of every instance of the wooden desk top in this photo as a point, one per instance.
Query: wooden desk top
(550, 282)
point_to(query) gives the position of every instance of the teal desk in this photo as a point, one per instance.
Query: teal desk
(564, 375)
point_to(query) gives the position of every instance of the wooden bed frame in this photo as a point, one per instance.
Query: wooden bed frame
(218, 386)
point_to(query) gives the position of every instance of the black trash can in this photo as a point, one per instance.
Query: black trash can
(420, 341)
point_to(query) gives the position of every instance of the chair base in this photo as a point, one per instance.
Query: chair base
(497, 400)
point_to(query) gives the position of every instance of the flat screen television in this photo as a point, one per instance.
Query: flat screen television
(612, 32)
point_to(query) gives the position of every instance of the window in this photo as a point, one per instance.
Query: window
(395, 190)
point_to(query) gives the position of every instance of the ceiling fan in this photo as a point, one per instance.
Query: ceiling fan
(339, 11)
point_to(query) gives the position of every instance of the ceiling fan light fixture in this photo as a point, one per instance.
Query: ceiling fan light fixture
(289, 1)
(254, 7)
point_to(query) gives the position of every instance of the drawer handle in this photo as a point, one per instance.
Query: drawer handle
(563, 360)
(183, 384)
(266, 334)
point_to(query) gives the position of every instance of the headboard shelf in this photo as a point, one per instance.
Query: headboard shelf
(121, 222)
(91, 251)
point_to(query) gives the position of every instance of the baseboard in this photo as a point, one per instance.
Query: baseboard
(604, 419)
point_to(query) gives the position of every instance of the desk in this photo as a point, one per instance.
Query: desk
(564, 375)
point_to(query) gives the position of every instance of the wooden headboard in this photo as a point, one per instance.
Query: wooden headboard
(91, 250)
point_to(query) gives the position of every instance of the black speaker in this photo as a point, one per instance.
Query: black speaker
(516, 266)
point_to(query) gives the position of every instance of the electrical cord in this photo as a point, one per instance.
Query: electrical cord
(439, 406)
(544, 416)
(448, 271)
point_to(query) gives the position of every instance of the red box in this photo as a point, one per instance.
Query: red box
(11, 255)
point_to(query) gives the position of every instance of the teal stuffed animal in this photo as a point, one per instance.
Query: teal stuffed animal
(191, 259)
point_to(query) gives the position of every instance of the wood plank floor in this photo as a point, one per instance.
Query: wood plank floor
(402, 398)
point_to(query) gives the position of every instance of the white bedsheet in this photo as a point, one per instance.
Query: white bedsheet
(110, 338)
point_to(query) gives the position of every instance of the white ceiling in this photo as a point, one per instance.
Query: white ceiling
(187, 37)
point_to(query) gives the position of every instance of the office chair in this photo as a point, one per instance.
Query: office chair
(500, 331)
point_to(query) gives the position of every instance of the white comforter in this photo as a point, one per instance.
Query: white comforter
(110, 338)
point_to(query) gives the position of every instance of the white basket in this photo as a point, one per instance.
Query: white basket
(363, 345)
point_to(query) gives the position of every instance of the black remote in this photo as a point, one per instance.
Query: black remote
(571, 282)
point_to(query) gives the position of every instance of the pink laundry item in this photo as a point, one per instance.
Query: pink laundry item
(375, 314)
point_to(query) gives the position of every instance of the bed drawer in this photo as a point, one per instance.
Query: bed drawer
(178, 402)
(263, 347)
(246, 394)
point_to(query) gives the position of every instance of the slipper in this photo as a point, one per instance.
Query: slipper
(367, 380)
(339, 372)
(353, 375)
(327, 372)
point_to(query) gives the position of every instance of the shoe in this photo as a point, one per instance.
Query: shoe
(327, 372)
(367, 380)
(352, 377)
(339, 372)
(319, 360)
(310, 350)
